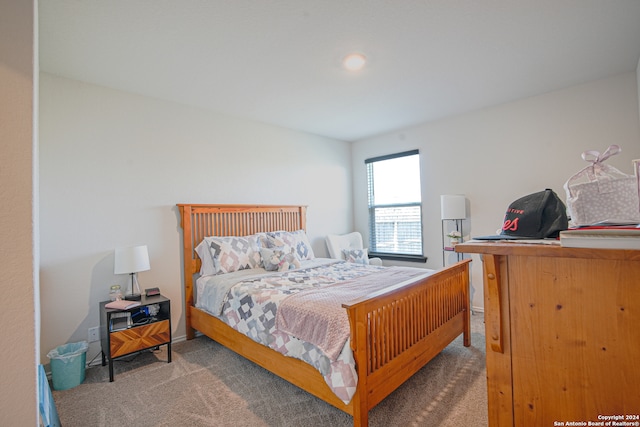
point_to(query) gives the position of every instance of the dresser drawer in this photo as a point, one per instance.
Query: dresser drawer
(139, 338)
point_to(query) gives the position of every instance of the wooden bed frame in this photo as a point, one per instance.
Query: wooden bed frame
(394, 332)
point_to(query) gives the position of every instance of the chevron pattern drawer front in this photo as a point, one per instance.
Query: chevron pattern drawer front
(139, 338)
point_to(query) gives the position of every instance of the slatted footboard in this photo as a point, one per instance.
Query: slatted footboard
(396, 332)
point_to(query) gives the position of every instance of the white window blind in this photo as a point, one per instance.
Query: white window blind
(395, 204)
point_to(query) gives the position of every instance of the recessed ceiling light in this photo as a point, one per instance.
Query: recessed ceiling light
(354, 61)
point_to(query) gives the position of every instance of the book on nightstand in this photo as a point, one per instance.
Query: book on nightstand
(121, 304)
(605, 238)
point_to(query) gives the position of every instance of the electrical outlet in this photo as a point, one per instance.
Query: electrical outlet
(94, 334)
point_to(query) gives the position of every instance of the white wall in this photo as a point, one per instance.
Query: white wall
(18, 213)
(114, 165)
(496, 155)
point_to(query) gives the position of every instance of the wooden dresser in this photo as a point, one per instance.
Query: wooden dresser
(562, 333)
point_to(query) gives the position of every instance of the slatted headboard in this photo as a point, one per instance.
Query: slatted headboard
(199, 221)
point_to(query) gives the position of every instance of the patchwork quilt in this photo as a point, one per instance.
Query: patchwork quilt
(317, 315)
(250, 307)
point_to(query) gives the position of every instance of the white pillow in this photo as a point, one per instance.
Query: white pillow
(206, 266)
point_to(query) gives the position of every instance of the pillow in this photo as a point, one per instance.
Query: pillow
(229, 254)
(206, 267)
(358, 256)
(261, 240)
(276, 259)
(292, 239)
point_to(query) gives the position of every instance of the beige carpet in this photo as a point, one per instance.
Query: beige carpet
(208, 385)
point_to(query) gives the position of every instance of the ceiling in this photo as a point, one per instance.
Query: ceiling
(279, 61)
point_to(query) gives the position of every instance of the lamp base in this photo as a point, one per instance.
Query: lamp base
(133, 297)
(134, 294)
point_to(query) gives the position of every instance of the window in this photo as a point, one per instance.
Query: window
(395, 206)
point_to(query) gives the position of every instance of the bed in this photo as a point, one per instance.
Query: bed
(394, 331)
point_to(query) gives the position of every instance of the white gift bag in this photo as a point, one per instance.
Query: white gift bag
(600, 192)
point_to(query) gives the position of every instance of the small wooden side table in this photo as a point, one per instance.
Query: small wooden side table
(149, 327)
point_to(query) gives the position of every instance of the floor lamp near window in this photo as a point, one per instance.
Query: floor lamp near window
(453, 208)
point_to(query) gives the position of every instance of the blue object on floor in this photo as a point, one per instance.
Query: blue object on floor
(48, 411)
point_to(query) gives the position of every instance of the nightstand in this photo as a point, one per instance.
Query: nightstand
(123, 332)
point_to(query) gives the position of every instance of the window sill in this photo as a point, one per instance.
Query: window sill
(398, 257)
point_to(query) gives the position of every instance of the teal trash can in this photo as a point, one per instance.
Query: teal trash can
(68, 364)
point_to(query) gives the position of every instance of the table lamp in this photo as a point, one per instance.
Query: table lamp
(131, 260)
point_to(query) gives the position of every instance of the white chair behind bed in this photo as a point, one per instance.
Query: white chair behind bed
(337, 243)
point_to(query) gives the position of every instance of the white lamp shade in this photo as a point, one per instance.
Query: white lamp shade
(453, 206)
(131, 260)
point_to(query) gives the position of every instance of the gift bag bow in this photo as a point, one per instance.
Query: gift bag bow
(599, 172)
(597, 159)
